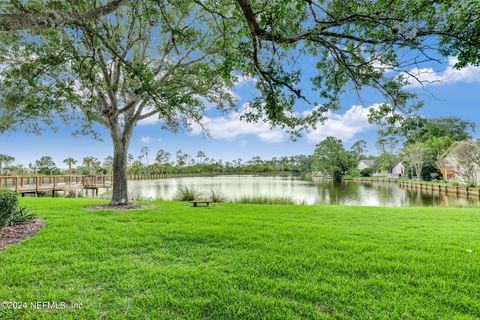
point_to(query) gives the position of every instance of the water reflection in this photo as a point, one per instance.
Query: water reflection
(308, 192)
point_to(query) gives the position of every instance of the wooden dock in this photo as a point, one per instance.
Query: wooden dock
(44, 184)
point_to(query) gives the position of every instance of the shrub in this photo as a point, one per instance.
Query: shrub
(263, 200)
(22, 214)
(217, 196)
(187, 194)
(354, 172)
(8, 206)
(367, 172)
(10, 212)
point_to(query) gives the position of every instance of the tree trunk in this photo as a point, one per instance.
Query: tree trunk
(120, 192)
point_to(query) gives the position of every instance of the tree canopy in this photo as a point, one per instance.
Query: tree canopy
(48, 15)
(331, 159)
(353, 44)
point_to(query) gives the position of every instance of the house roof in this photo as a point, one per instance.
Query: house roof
(455, 144)
(370, 163)
(397, 163)
(446, 152)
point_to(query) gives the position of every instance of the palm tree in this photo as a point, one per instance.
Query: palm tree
(70, 162)
(144, 151)
(89, 162)
(201, 156)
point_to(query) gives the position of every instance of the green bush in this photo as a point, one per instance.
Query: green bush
(367, 172)
(354, 172)
(187, 194)
(217, 196)
(22, 214)
(8, 206)
(10, 212)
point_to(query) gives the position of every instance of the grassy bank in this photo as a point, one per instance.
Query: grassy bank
(246, 261)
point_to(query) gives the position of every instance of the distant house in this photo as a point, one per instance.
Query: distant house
(396, 171)
(364, 164)
(456, 167)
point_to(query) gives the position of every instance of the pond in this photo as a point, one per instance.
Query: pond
(301, 191)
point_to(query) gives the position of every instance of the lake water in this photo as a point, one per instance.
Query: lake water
(307, 192)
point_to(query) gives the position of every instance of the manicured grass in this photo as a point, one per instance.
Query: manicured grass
(246, 261)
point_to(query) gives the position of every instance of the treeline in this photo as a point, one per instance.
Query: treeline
(163, 163)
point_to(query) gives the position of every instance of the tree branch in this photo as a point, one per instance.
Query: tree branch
(54, 18)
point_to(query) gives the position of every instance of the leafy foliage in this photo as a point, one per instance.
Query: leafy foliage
(10, 212)
(5, 161)
(367, 172)
(46, 165)
(353, 44)
(8, 206)
(416, 155)
(187, 194)
(419, 129)
(22, 214)
(331, 158)
(217, 196)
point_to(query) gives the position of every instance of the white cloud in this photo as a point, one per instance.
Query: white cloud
(344, 126)
(379, 65)
(231, 127)
(146, 140)
(449, 75)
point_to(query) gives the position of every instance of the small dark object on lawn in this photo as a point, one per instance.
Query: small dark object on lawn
(195, 203)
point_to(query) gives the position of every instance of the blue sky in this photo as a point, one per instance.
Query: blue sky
(451, 93)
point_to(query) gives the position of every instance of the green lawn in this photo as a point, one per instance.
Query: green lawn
(246, 261)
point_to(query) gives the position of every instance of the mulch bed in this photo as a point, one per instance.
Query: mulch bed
(130, 206)
(15, 234)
